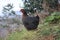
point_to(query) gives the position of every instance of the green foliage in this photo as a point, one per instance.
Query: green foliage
(53, 18)
(16, 36)
(45, 32)
(32, 5)
(42, 31)
(7, 10)
(52, 3)
(22, 35)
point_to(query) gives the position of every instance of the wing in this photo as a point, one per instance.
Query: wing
(31, 20)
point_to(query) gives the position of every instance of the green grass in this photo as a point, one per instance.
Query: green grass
(43, 30)
(23, 35)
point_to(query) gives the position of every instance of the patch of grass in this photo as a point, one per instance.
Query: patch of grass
(16, 35)
(43, 31)
(23, 35)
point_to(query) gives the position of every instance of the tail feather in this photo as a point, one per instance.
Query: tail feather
(37, 17)
(37, 20)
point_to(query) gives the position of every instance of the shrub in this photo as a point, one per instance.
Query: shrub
(53, 18)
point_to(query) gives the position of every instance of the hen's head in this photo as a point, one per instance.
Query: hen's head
(23, 11)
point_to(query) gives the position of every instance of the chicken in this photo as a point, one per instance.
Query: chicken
(29, 22)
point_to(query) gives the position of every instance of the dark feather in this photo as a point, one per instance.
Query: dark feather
(31, 22)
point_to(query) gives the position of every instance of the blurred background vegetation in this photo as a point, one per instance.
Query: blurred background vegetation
(33, 5)
(49, 26)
